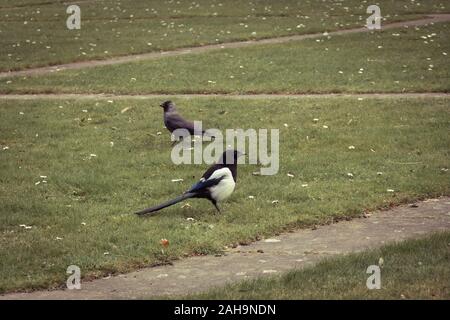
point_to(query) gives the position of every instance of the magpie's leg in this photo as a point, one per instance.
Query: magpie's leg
(214, 202)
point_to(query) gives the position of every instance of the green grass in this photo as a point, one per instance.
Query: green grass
(413, 269)
(406, 139)
(34, 33)
(390, 61)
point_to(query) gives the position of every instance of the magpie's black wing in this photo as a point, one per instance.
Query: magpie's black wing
(203, 185)
(211, 170)
(206, 182)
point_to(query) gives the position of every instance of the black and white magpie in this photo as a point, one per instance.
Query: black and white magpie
(216, 184)
(173, 120)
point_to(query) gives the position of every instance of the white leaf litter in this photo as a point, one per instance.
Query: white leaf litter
(58, 238)
(177, 180)
(269, 271)
(325, 127)
(390, 190)
(290, 175)
(41, 181)
(125, 109)
(304, 185)
(272, 240)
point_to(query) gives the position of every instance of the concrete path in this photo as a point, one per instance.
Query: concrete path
(78, 96)
(267, 257)
(432, 18)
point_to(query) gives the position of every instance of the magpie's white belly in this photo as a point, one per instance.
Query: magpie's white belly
(223, 190)
(225, 187)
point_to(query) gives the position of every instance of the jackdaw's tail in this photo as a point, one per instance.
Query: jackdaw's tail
(169, 203)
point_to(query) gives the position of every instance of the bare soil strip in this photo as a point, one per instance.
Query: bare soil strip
(78, 96)
(431, 18)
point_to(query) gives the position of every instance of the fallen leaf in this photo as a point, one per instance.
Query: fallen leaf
(164, 243)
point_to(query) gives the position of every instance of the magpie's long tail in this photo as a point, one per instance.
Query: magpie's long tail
(184, 196)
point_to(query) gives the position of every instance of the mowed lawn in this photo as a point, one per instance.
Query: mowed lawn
(415, 59)
(73, 171)
(413, 269)
(34, 33)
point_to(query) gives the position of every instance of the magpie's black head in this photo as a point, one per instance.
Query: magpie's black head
(167, 105)
(230, 157)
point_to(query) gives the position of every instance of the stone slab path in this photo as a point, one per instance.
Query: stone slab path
(266, 257)
(431, 18)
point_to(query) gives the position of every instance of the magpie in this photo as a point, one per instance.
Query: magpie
(216, 184)
(173, 120)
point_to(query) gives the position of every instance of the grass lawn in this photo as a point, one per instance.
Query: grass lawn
(34, 33)
(413, 269)
(400, 60)
(100, 165)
